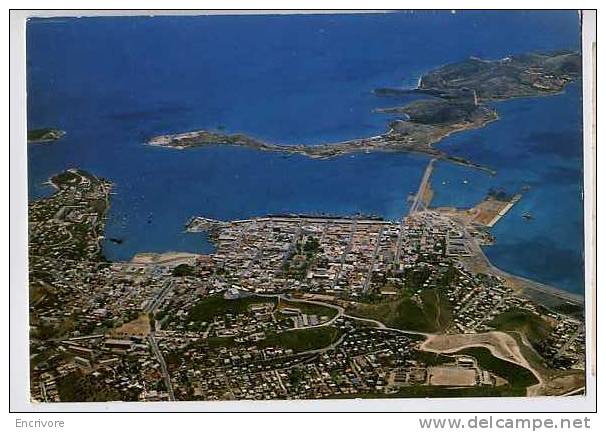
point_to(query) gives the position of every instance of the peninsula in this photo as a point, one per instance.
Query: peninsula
(295, 306)
(454, 97)
(376, 308)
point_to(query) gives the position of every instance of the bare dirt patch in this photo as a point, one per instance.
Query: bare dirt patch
(138, 327)
(451, 376)
(500, 344)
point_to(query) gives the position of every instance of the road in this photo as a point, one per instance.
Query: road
(341, 313)
(339, 309)
(413, 208)
(160, 358)
(345, 253)
(372, 262)
(570, 340)
(151, 307)
(418, 200)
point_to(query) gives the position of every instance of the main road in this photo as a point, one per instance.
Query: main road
(164, 369)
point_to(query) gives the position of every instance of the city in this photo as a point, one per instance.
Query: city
(290, 307)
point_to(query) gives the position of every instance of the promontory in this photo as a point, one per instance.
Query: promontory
(453, 98)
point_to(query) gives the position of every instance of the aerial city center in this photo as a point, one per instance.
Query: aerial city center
(305, 207)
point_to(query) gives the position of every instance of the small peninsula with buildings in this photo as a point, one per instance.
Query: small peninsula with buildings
(455, 101)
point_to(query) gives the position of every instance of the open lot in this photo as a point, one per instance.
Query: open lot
(451, 376)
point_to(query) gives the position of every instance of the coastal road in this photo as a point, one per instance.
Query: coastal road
(417, 203)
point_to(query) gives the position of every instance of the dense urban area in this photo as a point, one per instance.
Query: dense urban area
(291, 307)
(295, 306)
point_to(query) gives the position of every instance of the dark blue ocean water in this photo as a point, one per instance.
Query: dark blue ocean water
(113, 82)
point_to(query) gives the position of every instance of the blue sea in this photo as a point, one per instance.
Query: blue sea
(113, 82)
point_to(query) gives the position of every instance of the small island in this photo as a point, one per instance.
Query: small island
(454, 102)
(44, 135)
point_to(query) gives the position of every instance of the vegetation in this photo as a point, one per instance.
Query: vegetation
(431, 358)
(78, 387)
(207, 308)
(302, 340)
(571, 309)
(415, 278)
(67, 178)
(432, 314)
(301, 259)
(518, 377)
(44, 134)
(295, 376)
(448, 277)
(183, 270)
(441, 111)
(311, 246)
(524, 321)
(499, 194)
(501, 79)
(51, 331)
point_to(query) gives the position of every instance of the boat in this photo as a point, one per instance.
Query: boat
(527, 216)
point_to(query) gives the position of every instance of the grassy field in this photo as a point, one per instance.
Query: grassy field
(206, 309)
(302, 340)
(434, 314)
(519, 378)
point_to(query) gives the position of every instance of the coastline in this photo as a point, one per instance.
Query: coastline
(458, 92)
(390, 141)
(544, 294)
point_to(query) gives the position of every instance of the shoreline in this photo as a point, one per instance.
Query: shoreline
(537, 291)
(388, 142)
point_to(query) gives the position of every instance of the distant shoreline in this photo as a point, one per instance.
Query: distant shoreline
(457, 93)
